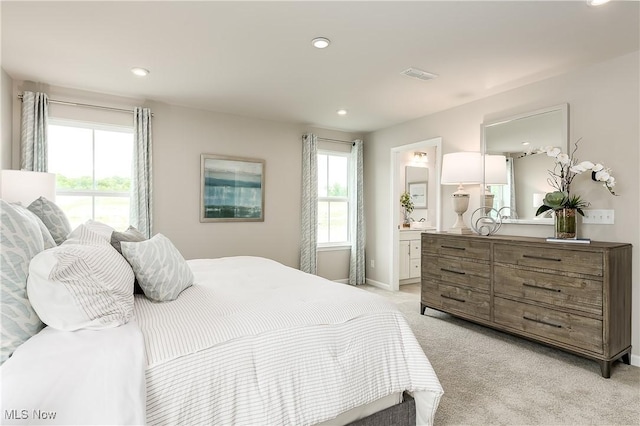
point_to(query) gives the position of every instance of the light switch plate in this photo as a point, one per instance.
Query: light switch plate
(600, 217)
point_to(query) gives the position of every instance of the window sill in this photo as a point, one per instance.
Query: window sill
(334, 247)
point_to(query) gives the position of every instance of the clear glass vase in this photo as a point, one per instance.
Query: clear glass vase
(565, 223)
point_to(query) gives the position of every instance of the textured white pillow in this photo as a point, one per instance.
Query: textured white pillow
(160, 269)
(83, 283)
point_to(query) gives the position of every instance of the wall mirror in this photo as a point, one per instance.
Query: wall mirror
(417, 184)
(519, 195)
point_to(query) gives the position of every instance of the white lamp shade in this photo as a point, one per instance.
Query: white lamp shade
(495, 170)
(23, 186)
(461, 168)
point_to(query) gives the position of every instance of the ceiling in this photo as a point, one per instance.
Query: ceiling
(255, 58)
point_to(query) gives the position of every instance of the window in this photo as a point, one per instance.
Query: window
(333, 198)
(92, 164)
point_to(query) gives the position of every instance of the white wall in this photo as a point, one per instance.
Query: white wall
(6, 111)
(603, 110)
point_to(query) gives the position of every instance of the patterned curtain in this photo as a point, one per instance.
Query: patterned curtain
(141, 185)
(33, 142)
(356, 201)
(308, 249)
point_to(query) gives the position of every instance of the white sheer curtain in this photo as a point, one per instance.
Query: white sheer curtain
(141, 185)
(356, 201)
(33, 141)
(511, 183)
(309, 233)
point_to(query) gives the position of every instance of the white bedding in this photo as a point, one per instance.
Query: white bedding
(302, 349)
(85, 377)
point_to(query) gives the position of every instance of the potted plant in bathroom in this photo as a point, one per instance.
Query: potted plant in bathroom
(407, 207)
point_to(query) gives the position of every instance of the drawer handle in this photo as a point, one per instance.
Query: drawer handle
(453, 248)
(554, 259)
(452, 298)
(542, 288)
(452, 271)
(541, 322)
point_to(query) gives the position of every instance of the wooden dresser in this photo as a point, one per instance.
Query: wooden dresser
(575, 297)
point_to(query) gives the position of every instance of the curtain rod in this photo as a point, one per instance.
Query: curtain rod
(53, 101)
(336, 140)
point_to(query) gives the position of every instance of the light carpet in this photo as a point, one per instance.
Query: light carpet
(493, 378)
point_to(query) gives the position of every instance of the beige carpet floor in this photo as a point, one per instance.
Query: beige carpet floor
(493, 378)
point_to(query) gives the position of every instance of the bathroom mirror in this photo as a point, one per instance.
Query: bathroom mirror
(526, 181)
(417, 184)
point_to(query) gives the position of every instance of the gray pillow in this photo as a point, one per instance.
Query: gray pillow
(48, 240)
(159, 267)
(53, 217)
(130, 235)
(21, 240)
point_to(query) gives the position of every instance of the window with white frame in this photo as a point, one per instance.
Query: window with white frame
(92, 163)
(333, 198)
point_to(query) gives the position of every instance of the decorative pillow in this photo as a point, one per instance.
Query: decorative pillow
(130, 235)
(159, 267)
(83, 283)
(53, 217)
(46, 235)
(21, 240)
(100, 228)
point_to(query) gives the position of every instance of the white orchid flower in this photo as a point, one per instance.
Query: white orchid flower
(553, 152)
(586, 165)
(611, 181)
(597, 167)
(602, 176)
(563, 159)
(577, 169)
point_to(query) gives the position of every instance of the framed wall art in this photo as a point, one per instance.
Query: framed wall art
(231, 189)
(418, 192)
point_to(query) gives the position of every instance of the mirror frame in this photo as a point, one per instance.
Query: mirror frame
(562, 108)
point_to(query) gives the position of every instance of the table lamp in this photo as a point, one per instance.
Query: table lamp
(24, 186)
(495, 173)
(461, 168)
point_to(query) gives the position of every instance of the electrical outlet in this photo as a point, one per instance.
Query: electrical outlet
(600, 217)
(372, 263)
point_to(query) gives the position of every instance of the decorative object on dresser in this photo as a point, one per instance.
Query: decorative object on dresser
(565, 205)
(574, 297)
(461, 168)
(486, 221)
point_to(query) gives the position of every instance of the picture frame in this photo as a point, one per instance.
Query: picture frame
(231, 189)
(418, 193)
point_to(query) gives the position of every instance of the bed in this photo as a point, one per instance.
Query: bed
(247, 341)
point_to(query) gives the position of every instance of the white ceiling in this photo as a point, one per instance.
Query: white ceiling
(255, 58)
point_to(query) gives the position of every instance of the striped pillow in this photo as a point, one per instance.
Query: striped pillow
(83, 283)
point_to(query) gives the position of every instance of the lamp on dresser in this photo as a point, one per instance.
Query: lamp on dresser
(495, 173)
(461, 168)
(23, 186)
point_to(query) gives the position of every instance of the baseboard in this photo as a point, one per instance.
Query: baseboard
(635, 360)
(378, 284)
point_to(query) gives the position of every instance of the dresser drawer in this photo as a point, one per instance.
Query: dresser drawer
(455, 299)
(438, 246)
(582, 262)
(457, 271)
(574, 330)
(553, 289)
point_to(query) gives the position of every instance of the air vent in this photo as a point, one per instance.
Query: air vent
(416, 73)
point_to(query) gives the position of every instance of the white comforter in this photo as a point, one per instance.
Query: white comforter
(254, 342)
(85, 377)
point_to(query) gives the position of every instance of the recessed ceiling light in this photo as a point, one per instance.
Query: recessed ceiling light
(140, 72)
(342, 112)
(320, 42)
(597, 2)
(525, 143)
